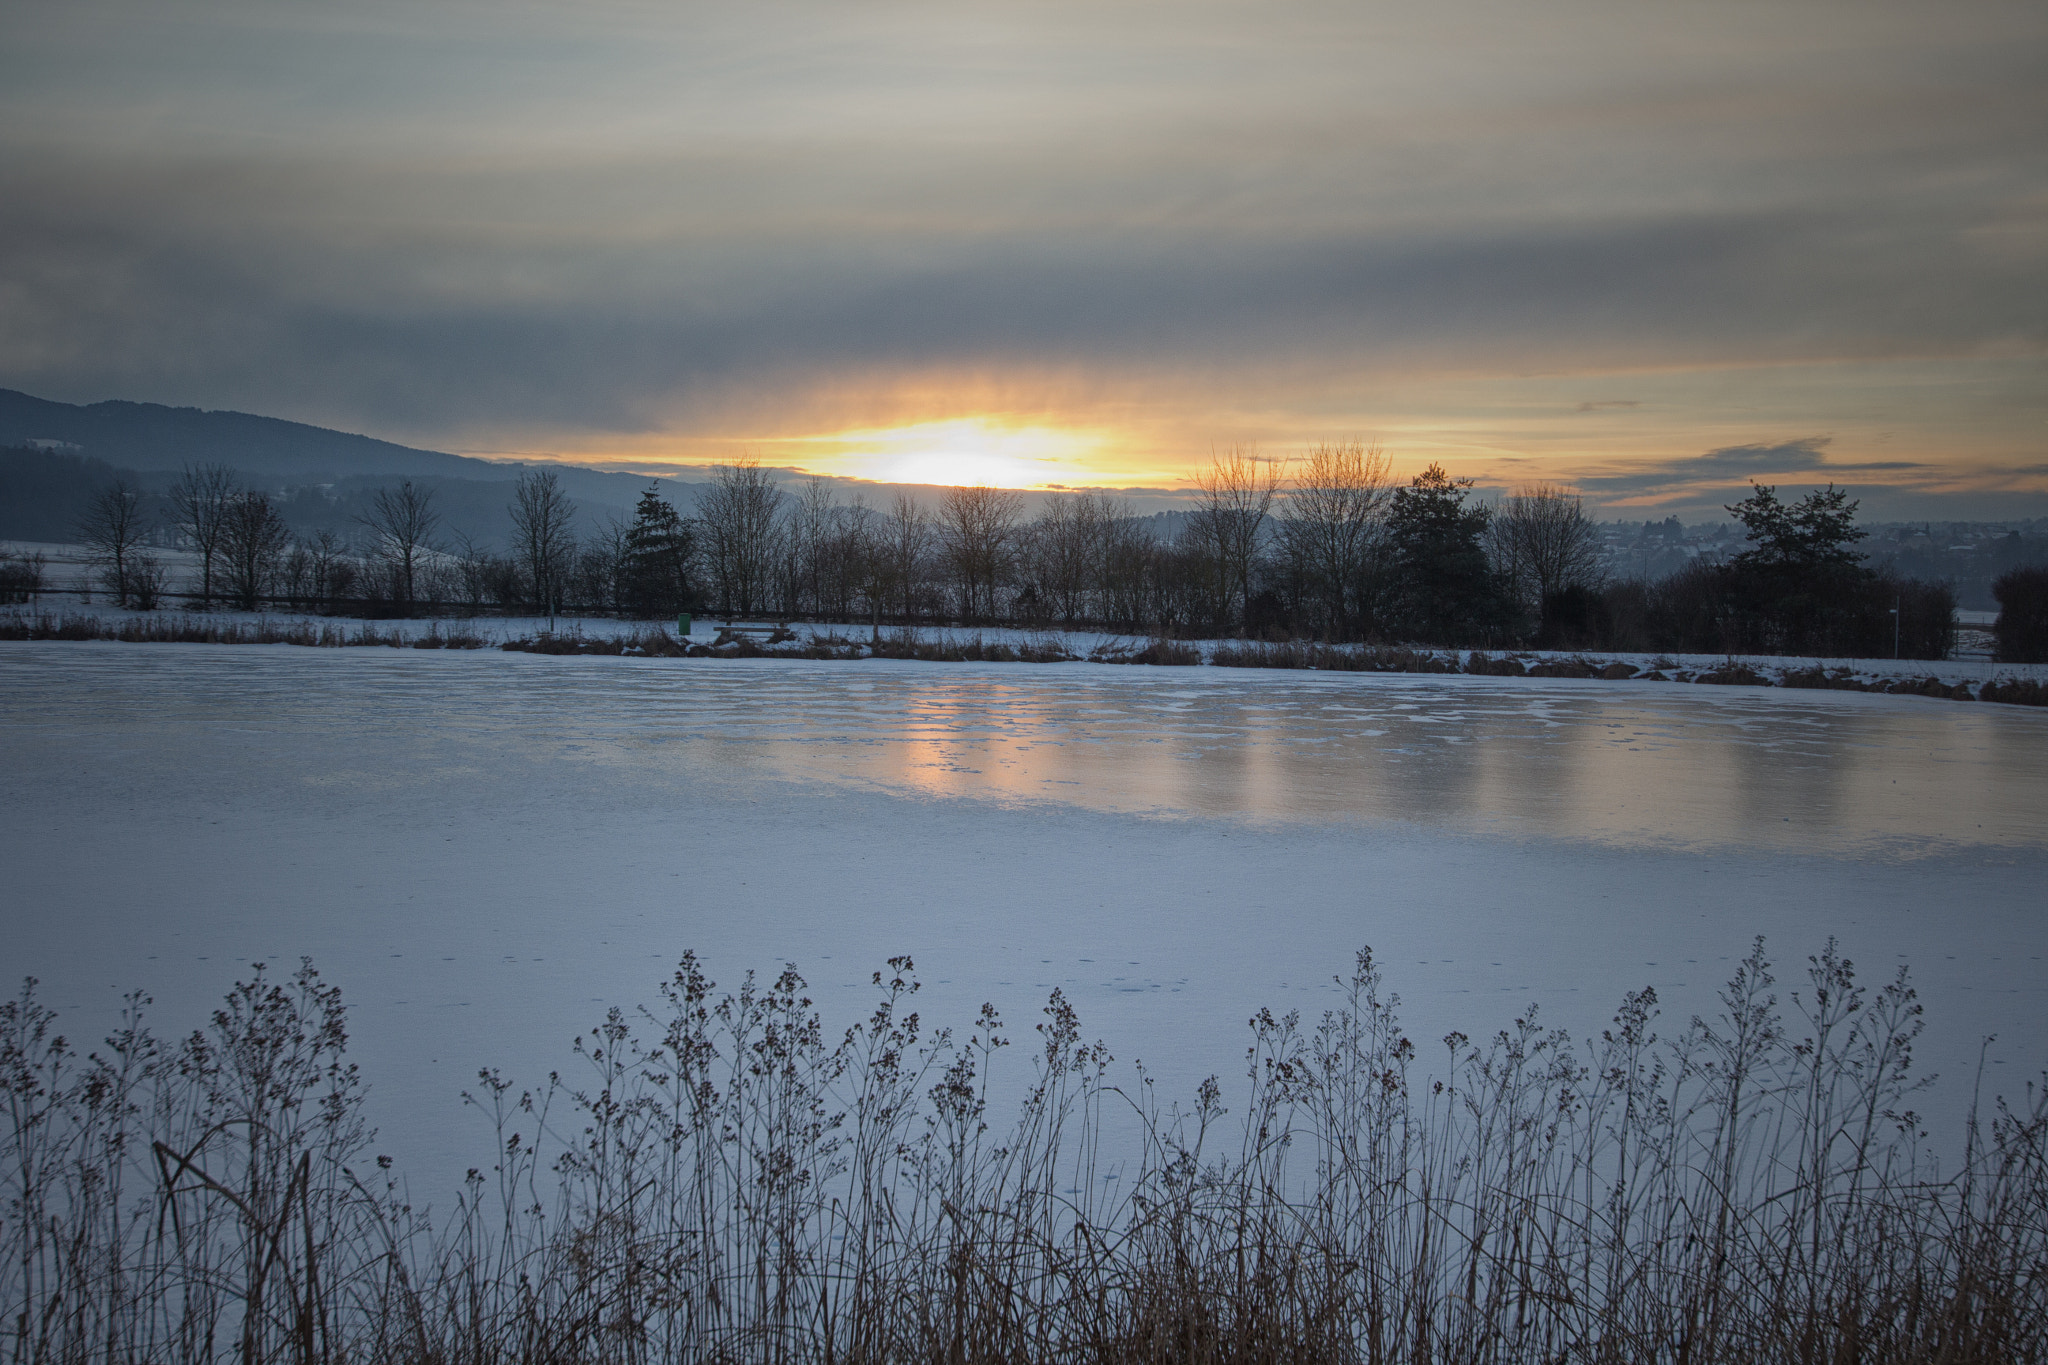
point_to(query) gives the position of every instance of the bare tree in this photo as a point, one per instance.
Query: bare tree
(1333, 522)
(199, 508)
(1128, 552)
(978, 526)
(740, 515)
(404, 521)
(111, 530)
(331, 571)
(850, 562)
(295, 573)
(1066, 552)
(252, 544)
(474, 566)
(806, 529)
(1543, 540)
(1237, 492)
(603, 564)
(541, 513)
(905, 549)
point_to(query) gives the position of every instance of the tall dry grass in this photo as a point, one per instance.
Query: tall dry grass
(202, 630)
(722, 1179)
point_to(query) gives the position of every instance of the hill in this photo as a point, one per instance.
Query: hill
(56, 452)
(149, 436)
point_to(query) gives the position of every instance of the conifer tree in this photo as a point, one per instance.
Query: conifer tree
(659, 549)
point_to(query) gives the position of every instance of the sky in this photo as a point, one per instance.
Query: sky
(1651, 251)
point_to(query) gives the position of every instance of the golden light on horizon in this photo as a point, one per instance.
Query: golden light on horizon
(968, 450)
(1632, 442)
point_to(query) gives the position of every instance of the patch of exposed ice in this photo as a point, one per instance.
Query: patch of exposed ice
(482, 849)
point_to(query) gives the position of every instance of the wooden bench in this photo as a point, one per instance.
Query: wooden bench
(731, 632)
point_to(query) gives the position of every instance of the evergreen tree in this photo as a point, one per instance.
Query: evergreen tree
(1449, 593)
(1801, 587)
(1813, 535)
(660, 548)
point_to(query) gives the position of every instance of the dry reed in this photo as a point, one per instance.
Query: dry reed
(722, 1179)
(202, 630)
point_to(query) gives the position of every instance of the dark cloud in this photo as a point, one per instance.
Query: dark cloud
(1716, 467)
(440, 216)
(111, 292)
(1722, 475)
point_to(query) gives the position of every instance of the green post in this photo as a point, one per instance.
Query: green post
(683, 625)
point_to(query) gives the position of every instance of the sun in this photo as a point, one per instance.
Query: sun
(957, 466)
(972, 450)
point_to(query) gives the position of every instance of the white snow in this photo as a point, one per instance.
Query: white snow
(69, 562)
(485, 849)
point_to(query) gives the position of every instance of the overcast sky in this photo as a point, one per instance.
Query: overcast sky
(1652, 249)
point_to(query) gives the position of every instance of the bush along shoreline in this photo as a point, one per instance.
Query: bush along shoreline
(723, 1178)
(657, 641)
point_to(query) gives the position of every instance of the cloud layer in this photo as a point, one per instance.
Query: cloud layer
(620, 224)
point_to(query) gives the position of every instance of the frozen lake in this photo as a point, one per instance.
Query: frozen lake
(485, 849)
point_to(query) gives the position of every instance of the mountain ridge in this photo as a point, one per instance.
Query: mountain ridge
(155, 436)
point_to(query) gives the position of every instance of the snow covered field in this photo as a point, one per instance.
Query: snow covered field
(484, 849)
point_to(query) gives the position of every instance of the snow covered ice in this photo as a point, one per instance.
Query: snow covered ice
(486, 850)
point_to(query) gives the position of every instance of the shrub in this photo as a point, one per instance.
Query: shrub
(1332, 658)
(1257, 654)
(22, 577)
(1927, 616)
(1576, 617)
(1927, 687)
(655, 642)
(1816, 677)
(2015, 691)
(568, 642)
(147, 581)
(1484, 665)
(1564, 668)
(1689, 613)
(1172, 653)
(1733, 674)
(2022, 629)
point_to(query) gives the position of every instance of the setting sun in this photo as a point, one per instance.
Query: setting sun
(975, 450)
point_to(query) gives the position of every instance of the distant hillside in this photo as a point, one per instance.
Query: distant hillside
(43, 493)
(42, 490)
(149, 436)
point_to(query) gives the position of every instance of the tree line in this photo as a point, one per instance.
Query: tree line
(1335, 549)
(1330, 547)
(399, 562)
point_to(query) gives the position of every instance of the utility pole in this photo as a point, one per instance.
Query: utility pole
(1898, 603)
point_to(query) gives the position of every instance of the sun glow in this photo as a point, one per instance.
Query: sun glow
(973, 450)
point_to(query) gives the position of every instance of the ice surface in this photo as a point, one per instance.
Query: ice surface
(484, 850)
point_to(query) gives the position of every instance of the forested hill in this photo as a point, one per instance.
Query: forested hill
(319, 475)
(150, 436)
